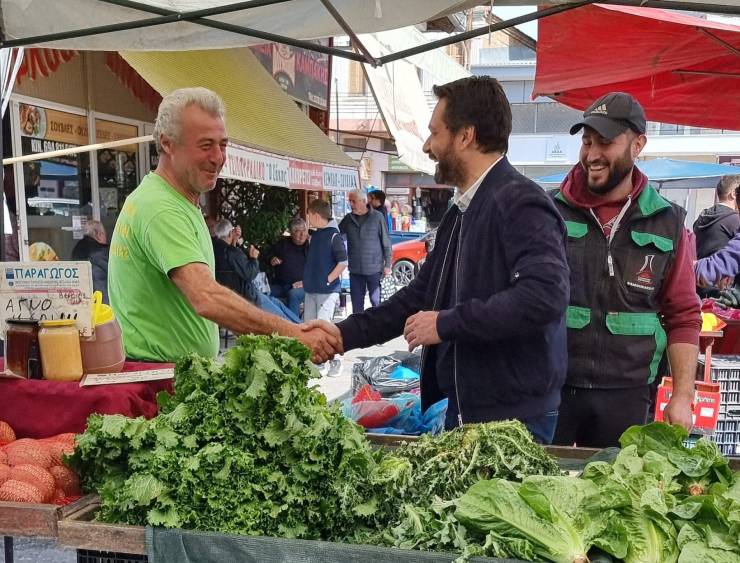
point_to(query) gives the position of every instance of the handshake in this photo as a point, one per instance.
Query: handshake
(325, 340)
(322, 338)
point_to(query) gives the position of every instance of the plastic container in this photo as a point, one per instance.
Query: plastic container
(103, 352)
(22, 348)
(59, 342)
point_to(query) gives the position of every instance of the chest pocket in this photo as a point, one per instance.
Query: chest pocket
(576, 251)
(647, 261)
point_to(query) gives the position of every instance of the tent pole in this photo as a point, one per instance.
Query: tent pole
(239, 30)
(196, 16)
(349, 31)
(482, 31)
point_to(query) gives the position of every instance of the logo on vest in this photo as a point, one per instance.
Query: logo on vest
(645, 278)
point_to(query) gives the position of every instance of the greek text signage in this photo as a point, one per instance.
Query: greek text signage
(47, 291)
(250, 165)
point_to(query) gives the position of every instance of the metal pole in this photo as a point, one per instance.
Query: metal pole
(239, 30)
(349, 31)
(196, 17)
(481, 31)
(8, 549)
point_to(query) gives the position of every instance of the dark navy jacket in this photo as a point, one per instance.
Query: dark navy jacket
(507, 325)
(322, 260)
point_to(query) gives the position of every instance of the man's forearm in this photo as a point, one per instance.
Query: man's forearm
(231, 311)
(683, 358)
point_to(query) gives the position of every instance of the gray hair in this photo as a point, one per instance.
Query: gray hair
(168, 121)
(223, 229)
(297, 223)
(362, 194)
(95, 229)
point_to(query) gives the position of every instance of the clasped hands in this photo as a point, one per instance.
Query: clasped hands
(325, 340)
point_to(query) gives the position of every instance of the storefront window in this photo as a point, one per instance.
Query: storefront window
(117, 169)
(57, 189)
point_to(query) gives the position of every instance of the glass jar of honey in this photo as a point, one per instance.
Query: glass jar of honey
(59, 342)
(22, 348)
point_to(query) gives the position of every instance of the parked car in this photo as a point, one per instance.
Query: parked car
(408, 257)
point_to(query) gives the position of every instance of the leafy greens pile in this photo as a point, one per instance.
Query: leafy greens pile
(245, 447)
(656, 502)
(248, 447)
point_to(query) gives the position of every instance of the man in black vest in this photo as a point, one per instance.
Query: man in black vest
(631, 281)
(488, 305)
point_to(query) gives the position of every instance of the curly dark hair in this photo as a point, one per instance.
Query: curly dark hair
(480, 102)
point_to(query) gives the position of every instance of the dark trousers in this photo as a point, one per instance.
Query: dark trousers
(596, 418)
(360, 284)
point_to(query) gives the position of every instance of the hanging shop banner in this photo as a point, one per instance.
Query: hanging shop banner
(303, 74)
(47, 291)
(250, 165)
(52, 126)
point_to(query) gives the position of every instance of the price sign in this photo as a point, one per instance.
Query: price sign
(47, 291)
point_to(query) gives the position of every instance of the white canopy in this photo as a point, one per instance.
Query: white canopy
(297, 19)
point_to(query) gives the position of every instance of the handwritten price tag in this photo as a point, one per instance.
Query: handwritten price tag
(47, 291)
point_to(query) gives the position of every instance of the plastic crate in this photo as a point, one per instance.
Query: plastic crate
(92, 556)
(725, 371)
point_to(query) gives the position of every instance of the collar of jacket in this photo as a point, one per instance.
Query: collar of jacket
(501, 169)
(649, 201)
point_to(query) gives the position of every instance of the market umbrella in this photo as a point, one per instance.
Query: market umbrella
(682, 69)
(676, 173)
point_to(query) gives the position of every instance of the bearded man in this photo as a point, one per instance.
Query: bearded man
(631, 282)
(488, 305)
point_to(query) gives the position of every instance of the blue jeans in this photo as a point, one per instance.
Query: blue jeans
(294, 295)
(542, 427)
(276, 307)
(359, 284)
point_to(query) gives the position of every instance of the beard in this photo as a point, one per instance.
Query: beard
(449, 169)
(618, 171)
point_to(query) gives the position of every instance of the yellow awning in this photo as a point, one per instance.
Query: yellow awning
(259, 114)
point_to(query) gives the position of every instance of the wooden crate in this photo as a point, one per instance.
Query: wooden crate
(77, 530)
(37, 520)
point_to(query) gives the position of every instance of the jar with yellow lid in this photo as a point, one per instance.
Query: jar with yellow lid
(59, 342)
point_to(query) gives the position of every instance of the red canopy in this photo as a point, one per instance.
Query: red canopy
(682, 69)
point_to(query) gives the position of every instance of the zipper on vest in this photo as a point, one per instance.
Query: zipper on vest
(610, 262)
(454, 342)
(436, 297)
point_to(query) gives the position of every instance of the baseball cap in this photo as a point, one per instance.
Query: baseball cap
(612, 114)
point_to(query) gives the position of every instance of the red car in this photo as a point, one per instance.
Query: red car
(408, 256)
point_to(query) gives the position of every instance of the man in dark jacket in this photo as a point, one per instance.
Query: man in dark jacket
(94, 248)
(237, 271)
(488, 305)
(369, 248)
(288, 258)
(718, 224)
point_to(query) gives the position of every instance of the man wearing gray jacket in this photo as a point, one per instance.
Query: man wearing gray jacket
(369, 250)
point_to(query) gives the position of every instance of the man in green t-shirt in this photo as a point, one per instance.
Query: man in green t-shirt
(161, 270)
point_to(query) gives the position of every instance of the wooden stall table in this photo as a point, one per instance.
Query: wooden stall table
(37, 408)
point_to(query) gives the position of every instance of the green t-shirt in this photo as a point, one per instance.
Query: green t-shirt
(157, 231)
